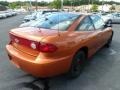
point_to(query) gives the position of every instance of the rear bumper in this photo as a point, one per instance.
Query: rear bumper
(36, 66)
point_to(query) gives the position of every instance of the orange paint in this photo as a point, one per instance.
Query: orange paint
(42, 64)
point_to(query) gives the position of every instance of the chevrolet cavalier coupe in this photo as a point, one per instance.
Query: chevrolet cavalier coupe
(61, 43)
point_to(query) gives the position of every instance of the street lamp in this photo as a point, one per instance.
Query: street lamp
(71, 2)
(61, 4)
(30, 6)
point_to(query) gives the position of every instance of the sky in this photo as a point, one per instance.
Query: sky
(48, 0)
(26, 0)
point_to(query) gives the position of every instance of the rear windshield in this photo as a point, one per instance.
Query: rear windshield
(56, 21)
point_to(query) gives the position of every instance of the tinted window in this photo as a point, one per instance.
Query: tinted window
(86, 24)
(64, 24)
(56, 21)
(97, 21)
(117, 15)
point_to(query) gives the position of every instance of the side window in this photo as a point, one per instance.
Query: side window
(85, 25)
(97, 21)
(118, 15)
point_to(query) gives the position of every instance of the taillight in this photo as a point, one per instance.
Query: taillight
(47, 48)
(36, 45)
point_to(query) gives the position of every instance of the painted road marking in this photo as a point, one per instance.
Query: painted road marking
(112, 52)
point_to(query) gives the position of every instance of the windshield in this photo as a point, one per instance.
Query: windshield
(39, 15)
(56, 21)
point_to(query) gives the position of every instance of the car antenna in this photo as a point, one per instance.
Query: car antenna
(58, 26)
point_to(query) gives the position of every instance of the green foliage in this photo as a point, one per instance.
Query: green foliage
(42, 3)
(94, 8)
(4, 3)
(67, 2)
(111, 2)
(12, 5)
(80, 2)
(2, 8)
(72, 2)
(56, 4)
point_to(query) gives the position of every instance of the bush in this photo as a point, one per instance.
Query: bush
(94, 8)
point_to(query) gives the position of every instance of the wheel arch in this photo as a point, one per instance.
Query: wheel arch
(84, 49)
(112, 32)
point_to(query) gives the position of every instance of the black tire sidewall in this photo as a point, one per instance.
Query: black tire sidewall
(109, 41)
(81, 56)
(109, 21)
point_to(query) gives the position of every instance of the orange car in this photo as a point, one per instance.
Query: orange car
(57, 44)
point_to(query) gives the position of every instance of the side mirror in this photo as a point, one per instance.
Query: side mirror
(108, 24)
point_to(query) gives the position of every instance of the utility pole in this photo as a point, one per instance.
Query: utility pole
(36, 5)
(71, 5)
(61, 4)
(30, 6)
(89, 2)
(89, 5)
(30, 3)
(92, 2)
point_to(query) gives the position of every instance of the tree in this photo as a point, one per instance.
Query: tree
(12, 5)
(112, 8)
(56, 4)
(94, 8)
(16, 4)
(2, 8)
(66, 2)
(4, 3)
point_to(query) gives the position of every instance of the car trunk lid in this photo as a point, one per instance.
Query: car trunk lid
(28, 39)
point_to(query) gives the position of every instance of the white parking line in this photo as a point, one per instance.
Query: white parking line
(112, 52)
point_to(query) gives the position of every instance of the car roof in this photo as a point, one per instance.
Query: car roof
(65, 13)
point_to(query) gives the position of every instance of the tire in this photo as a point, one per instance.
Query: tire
(109, 41)
(109, 22)
(77, 65)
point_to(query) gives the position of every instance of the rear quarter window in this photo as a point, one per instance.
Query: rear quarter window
(85, 25)
(97, 21)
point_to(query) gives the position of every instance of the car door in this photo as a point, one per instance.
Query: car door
(99, 26)
(86, 28)
(116, 18)
(101, 31)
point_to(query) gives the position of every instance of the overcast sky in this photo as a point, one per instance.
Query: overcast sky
(48, 0)
(25, 0)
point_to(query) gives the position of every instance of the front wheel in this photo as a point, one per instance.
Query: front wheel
(77, 65)
(109, 41)
(109, 22)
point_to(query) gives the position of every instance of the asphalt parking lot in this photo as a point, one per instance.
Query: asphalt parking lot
(102, 73)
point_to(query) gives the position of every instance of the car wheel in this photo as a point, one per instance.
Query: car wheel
(109, 22)
(109, 41)
(77, 65)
